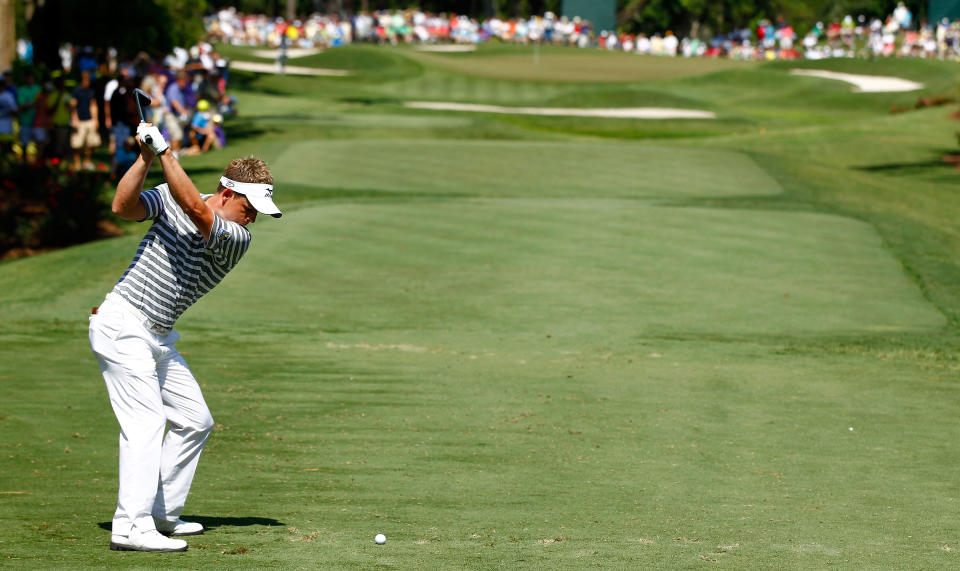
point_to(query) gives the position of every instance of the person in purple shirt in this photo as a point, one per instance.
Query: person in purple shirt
(178, 113)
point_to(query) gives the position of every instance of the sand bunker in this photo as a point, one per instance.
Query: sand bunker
(446, 48)
(291, 52)
(289, 70)
(865, 83)
(613, 113)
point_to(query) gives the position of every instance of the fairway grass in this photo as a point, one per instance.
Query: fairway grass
(522, 169)
(508, 267)
(536, 343)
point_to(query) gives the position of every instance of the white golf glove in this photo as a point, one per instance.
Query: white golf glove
(150, 134)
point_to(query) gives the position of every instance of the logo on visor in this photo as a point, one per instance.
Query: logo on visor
(269, 193)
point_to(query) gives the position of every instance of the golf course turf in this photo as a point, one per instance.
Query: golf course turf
(538, 342)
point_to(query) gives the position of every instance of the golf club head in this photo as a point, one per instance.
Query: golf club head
(142, 98)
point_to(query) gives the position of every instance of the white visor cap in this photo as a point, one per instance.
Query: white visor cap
(259, 195)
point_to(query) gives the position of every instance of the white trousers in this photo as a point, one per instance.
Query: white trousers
(150, 386)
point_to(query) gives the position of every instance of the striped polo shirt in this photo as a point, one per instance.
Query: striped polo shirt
(174, 266)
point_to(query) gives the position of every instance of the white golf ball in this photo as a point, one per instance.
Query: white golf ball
(380, 539)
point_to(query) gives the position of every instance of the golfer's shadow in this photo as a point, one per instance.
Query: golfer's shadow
(210, 522)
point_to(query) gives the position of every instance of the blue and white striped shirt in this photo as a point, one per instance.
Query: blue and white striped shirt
(174, 266)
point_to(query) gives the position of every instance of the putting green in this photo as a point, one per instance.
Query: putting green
(560, 64)
(522, 169)
(438, 273)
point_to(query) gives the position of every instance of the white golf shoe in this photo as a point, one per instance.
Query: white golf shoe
(178, 528)
(149, 540)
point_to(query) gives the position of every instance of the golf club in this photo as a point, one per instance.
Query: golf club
(140, 95)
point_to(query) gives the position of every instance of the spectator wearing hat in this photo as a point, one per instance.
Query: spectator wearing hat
(203, 134)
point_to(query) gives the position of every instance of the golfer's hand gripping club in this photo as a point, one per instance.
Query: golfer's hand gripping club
(150, 134)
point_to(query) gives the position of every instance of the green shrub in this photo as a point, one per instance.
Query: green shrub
(49, 205)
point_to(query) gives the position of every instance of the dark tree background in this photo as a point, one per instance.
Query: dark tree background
(131, 26)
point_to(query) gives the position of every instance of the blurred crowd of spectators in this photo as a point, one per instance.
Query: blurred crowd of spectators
(89, 104)
(897, 35)
(393, 27)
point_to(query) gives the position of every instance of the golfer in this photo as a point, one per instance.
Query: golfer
(193, 242)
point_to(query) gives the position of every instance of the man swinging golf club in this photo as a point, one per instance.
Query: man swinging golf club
(193, 242)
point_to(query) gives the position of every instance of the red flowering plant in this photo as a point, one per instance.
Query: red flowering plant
(49, 205)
